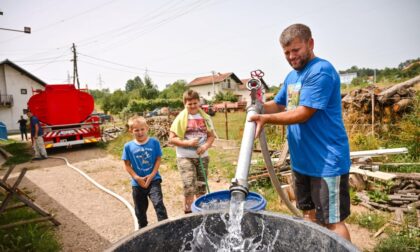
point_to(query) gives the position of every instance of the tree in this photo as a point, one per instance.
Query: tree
(228, 96)
(148, 90)
(175, 90)
(133, 84)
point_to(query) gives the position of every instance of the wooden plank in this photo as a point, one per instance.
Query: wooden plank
(377, 174)
(374, 153)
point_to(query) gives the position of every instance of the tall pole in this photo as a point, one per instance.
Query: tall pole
(75, 73)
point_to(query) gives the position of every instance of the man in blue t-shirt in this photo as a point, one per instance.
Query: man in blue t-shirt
(142, 158)
(36, 136)
(309, 102)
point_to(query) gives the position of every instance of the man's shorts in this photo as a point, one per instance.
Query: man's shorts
(329, 196)
(192, 176)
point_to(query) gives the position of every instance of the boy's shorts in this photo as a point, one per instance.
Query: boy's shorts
(329, 196)
(192, 176)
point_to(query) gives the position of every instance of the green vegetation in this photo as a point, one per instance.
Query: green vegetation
(235, 125)
(28, 237)
(372, 220)
(21, 153)
(225, 96)
(405, 70)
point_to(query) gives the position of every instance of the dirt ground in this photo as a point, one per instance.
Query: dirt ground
(92, 220)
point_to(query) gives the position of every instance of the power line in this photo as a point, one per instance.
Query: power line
(137, 68)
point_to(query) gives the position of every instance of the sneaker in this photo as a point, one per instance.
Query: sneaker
(43, 157)
(37, 158)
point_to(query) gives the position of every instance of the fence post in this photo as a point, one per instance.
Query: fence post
(226, 123)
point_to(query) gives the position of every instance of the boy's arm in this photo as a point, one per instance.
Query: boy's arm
(129, 169)
(207, 144)
(175, 140)
(149, 178)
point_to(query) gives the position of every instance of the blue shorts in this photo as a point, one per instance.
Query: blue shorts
(329, 196)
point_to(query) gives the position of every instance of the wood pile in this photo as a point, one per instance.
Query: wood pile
(111, 133)
(404, 195)
(388, 104)
(159, 127)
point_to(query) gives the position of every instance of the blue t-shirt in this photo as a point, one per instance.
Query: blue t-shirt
(318, 147)
(34, 121)
(142, 157)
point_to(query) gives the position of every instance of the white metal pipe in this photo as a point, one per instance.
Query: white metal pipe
(245, 153)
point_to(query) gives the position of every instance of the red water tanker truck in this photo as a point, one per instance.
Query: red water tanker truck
(65, 115)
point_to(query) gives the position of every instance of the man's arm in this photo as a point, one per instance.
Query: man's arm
(299, 115)
(175, 140)
(207, 144)
(36, 130)
(271, 107)
(129, 169)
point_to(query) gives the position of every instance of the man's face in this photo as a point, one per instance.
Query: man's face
(192, 106)
(298, 53)
(139, 131)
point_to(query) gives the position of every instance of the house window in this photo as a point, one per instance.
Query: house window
(208, 93)
(23, 91)
(228, 83)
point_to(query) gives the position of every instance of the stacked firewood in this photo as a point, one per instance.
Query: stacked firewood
(389, 104)
(404, 195)
(159, 127)
(111, 133)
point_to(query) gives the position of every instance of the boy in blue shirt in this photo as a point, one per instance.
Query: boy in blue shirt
(310, 104)
(142, 158)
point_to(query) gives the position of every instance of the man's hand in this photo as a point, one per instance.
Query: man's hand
(193, 142)
(202, 149)
(260, 121)
(141, 181)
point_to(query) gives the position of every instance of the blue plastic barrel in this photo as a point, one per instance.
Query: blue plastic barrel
(3, 131)
(221, 199)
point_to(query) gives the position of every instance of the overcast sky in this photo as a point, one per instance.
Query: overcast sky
(184, 39)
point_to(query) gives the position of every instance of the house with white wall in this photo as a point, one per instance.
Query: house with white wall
(346, 78)
(16, 85)
(208, 86)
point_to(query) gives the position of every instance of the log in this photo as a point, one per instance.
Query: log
(396, 98)
(387, 93)
(412, 176)
(416, 191)
(402, 105)
(381, 230)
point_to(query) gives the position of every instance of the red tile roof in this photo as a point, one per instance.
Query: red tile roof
(205, 80)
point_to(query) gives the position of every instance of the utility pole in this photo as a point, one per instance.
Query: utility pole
(100, 82)
(75, 73)
(68, 77)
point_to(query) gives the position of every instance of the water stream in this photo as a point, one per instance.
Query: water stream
(205, 238)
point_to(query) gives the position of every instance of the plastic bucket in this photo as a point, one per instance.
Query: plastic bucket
(275, 231)
(3, 131)
(220, 201)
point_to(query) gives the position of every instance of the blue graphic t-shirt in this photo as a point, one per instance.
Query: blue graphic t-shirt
(318, 147)
(142, 157)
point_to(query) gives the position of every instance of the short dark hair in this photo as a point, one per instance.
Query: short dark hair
(190, 95)
(295, 31)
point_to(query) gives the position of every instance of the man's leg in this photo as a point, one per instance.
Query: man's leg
(187, 171)
(36, 149)
(332, 200)
(41, 147)
(156, 197)
(141, 204)
(340, 229)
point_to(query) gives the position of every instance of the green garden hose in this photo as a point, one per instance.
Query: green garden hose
(204, 174)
